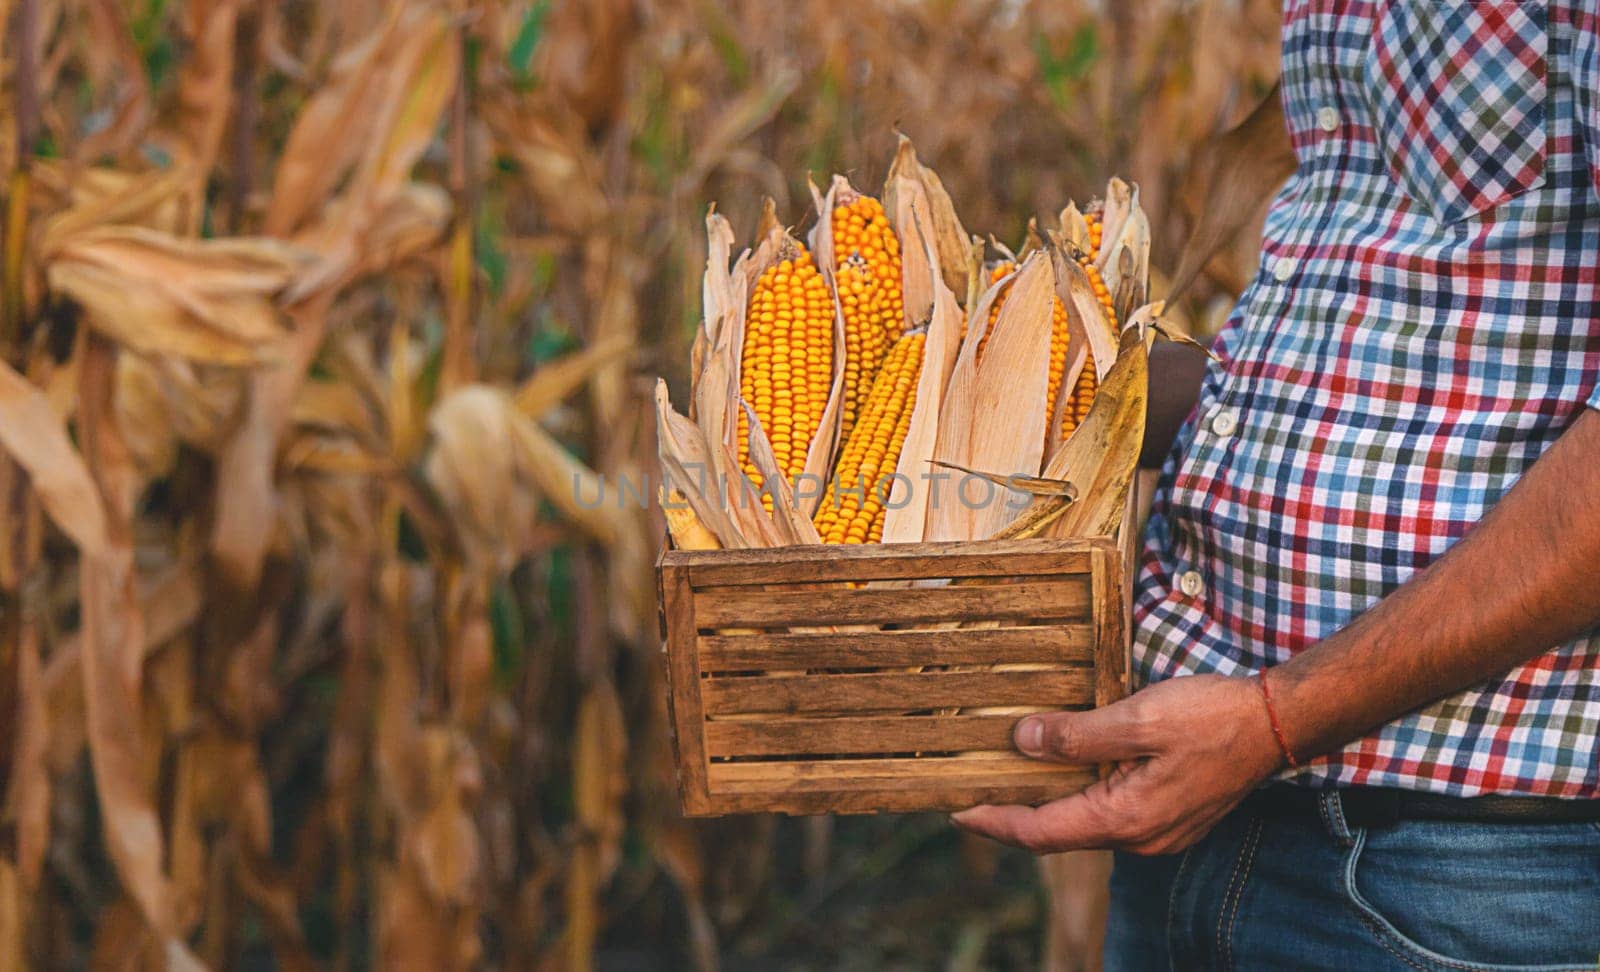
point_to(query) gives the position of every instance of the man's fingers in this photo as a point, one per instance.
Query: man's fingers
(1115, 732)
(1068, 824)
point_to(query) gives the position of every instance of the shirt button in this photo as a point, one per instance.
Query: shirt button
(1191, 583)
(1282, 269)
(1328, 118)
(1225, 422)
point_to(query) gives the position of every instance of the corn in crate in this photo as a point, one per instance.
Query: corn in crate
(898, 501)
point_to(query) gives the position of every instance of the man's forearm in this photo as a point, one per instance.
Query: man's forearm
(1519, 583)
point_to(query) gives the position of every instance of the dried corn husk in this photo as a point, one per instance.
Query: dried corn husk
(994, 411)
(951, 243)
(905, 520)
(1101, 457)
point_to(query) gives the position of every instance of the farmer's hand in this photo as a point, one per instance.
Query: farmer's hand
(1188, 750)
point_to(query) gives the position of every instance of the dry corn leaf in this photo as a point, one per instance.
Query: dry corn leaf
(246, 515)
(553, 383)
(13, 918)
(376, 220)
(113, 655)
(34, 435)
(473, 466)
(89, 198)
(751, 109)
(581, 496)
(162, 402)
(337, 124)
(338, 407)
(553, 156)
(209, 300)
(444, 843)
(27, 795)
(598, 786)
(1233, 175)
(205, 84)
(121, 67)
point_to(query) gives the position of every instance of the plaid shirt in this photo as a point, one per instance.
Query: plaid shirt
(1424, 325)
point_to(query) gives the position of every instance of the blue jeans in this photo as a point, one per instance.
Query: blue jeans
(1297, 892)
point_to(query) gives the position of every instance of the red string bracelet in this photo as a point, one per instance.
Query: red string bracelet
(1277, 729)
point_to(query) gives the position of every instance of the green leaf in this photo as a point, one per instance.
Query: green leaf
(520, 56)
(510, 636)
(486, 232)
(1062, 72)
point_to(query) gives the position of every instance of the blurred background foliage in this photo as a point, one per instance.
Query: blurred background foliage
(327, 639)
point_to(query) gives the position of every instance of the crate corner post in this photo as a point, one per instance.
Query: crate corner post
(685, 706)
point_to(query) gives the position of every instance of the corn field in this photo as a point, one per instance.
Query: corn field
(327, 346)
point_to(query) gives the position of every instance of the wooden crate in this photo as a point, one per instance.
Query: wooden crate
(772, 711)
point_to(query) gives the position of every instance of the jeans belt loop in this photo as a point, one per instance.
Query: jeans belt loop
(1332, 807)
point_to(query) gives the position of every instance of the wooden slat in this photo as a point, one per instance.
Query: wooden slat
(1068, 643)
(939, 795)
(922, 690)
(683, 688)
(1040, 600)
(867, 734)
(791, 565)
(1111, 632)
(881, 774)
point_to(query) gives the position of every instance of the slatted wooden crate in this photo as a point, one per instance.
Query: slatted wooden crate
(856, 679)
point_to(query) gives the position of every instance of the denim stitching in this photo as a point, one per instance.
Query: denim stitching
(1172, 908)
(1252, 843)
(1366, 919)
(1238, 861)
(1391, 938)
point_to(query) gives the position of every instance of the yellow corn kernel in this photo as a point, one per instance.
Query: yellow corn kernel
(995, 276)
(1084, 388)
(786, 364)
(1087, 261)
(853, 509)
(1082, 396)
(1059, 339)
(866, 256)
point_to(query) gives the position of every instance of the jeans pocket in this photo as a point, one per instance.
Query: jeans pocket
(1480, 897)
(1457, 91)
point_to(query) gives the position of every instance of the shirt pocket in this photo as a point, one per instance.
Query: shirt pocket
(1457, 91)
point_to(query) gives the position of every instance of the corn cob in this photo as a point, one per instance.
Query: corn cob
(1087, 261)
(995, 276)
(1082, 396)
(1084, 388)
(853, 510)
(786, 364)
(866, 255)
